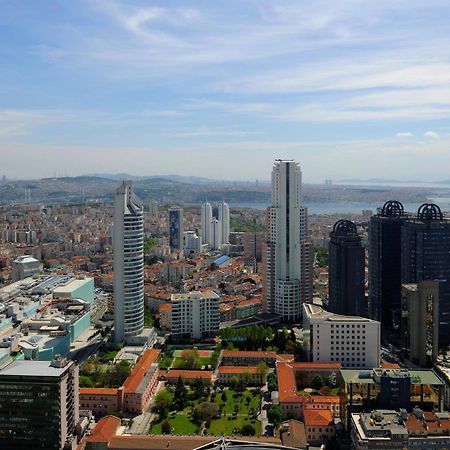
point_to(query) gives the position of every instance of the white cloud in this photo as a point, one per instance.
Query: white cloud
(431, 135)
(404, 134)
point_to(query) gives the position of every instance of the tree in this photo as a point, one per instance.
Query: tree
(189, 360)
(166, 428)
(198, 388)
(163, 400)
(234, 382)
(224, 396)
(274, 415)
(318, 382)
(248, 430)
(180, 395)
(207, 410)
(261, 369)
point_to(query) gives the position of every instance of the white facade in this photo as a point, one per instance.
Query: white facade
(206, 220)
(24, 267)
(215, 231)
(285, 235)
(192, 243)
(216, 235)
(350, 340)
(224, 220)
(195, 314)
(128, 264)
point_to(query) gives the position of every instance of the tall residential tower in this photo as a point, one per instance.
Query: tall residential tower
(176, 228)
(285, 280)
(128, 264)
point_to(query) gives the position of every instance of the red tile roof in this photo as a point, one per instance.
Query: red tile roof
(317, 417)
(98, 391)
(104, 430)
(140, 369)
(287, 384)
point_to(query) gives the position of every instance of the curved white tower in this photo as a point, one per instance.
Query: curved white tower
(128, 242)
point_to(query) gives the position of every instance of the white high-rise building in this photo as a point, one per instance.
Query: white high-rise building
(206, 221)
(128, 240)
(286, 234)
(215, 228)
(224, 220)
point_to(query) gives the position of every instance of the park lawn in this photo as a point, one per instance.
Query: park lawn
(180, 425)
(228, 427)
(237, 398)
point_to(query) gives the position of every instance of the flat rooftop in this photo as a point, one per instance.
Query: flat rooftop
(71, 286)
(424, 376)
(32, 369)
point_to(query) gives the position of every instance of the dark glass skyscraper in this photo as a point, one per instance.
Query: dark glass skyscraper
(425, 246)
(175, 228)
(346, 270)
(384, 265)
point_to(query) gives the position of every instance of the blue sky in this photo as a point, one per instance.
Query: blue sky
(350, 89)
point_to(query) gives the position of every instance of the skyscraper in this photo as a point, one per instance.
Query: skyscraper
(175, 228)
(346, 270)
(215, 224)
(39, 405)
(283, 287)
(205, 225)
(384, 265)
(224, 220)
(128, 263)
(425, 244)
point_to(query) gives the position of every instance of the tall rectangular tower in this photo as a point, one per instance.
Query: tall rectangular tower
(285, 235)
(425, 244)
(384, 265)
(128, 242)
(346, 270)
(206, 218)
(176, 229)
(224, 220)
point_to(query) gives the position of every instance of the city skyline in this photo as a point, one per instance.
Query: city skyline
(148, 88)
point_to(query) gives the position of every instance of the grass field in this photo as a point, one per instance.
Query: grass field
(235, 414)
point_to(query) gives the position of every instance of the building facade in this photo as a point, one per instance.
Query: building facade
(195, 315)
(24, 267)
(286, 232)
(350, 340)
(385, 264)
(38, 404)
(346, 270)
(128, 243)
(420, 321)
(176, 228)
(425, 245)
